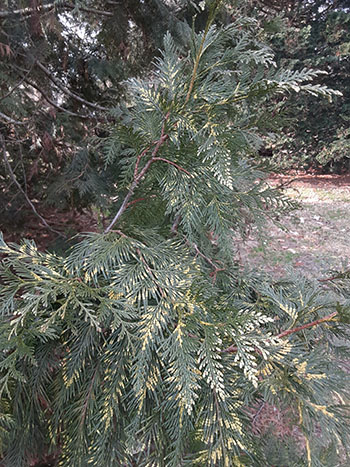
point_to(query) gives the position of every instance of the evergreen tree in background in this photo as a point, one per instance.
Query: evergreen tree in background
(310, 34)
(146, 345)
(61, 69)
(63, 65)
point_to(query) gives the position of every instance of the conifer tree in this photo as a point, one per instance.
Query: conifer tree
(146, 345)
(310, 33)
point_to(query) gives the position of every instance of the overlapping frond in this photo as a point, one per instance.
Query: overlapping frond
(145, 345)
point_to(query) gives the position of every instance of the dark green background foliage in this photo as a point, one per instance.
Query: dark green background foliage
(62, 68)
(317, 34)
(63, 64)
(145, 344)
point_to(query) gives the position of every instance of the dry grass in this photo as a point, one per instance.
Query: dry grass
(317, 235)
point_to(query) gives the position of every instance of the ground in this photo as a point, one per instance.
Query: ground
(316, 238)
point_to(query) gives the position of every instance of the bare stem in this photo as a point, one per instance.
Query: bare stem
(51, 6)
(124, 205)
(54, 104)
(17, 85)
(172, 163)
(138, 175)
(67, 91)
(308, 325)
(11, 120)
(216, 267)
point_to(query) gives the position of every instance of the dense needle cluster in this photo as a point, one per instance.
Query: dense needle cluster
(147, 345)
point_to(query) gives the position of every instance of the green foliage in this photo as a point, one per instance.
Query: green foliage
(146, 345)
(311, 33)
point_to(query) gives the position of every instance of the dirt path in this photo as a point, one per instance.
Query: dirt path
(318, 235)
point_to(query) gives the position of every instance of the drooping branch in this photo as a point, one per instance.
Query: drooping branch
(54, 104)
(16, 182)
(52, 6)
(94, 11)
(16, 86)
(11, 120)
(67, 91)
(26, 11)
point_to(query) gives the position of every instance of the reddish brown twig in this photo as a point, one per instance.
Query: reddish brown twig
(333, 278)
(211, 262)
(135, 201)
(232, 348)
(308, 325)
(172, 163)
(143, 153)
(176, 224)
(214, 273)
(122, 234)
(138, 175)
